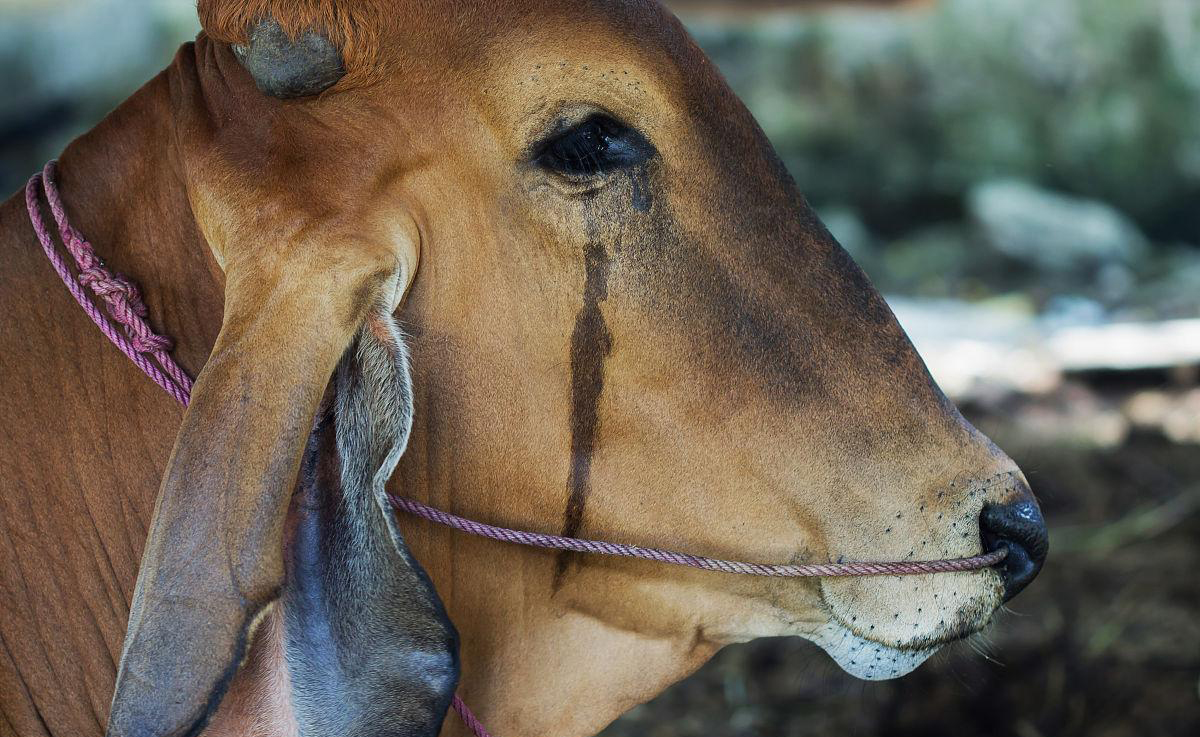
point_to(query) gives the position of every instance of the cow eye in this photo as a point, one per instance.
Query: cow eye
(596, 146)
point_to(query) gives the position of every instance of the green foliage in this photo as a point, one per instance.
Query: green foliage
(899, 114)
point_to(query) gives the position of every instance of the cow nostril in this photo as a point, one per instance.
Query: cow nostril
(1018, 527)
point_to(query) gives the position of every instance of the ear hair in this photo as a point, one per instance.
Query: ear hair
(374, 403)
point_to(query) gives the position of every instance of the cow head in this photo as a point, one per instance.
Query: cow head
(626, 322)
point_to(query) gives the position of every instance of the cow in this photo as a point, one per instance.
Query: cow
(539, 259)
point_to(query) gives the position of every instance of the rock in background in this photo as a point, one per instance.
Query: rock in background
(1053, 231)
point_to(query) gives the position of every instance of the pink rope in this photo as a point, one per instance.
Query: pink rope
(556, 542)
(121, 297)
(124, 305)
(464, 712)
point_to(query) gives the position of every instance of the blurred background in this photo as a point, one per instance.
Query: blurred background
(1021, 178)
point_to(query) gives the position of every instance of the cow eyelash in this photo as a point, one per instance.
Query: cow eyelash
(596, 146)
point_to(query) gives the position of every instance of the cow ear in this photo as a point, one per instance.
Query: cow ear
(355, 594)
(287, 67)
(213, 560)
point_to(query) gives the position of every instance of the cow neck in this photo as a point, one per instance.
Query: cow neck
(88, 416)
(123, 191)
(533, 662)
(538, 667)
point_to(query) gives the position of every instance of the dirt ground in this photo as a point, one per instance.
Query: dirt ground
(1106, 643)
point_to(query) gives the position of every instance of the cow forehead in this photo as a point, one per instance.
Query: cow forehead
(515, 47)
(523, 81)
(373, 35)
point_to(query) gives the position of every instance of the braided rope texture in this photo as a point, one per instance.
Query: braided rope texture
(120, 296)
(140, 343)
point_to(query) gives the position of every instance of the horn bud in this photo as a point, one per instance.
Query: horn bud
(287, 68)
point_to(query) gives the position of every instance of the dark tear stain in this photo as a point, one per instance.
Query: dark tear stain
(639, 183)
(590, 344)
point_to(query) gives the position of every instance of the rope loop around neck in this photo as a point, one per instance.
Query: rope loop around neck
(122, 299)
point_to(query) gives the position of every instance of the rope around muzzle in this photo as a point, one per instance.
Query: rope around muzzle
(136, 339)
(600, 547)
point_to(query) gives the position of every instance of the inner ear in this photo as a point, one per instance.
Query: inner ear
(287, 67)
(369, 648)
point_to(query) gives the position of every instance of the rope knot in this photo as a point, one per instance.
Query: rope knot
(151, 343)
(120, 297)
(104, 283)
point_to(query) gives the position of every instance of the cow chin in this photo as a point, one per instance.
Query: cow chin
(899, 622)
(867, 659)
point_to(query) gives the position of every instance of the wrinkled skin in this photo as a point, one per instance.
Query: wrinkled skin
(674, 353)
